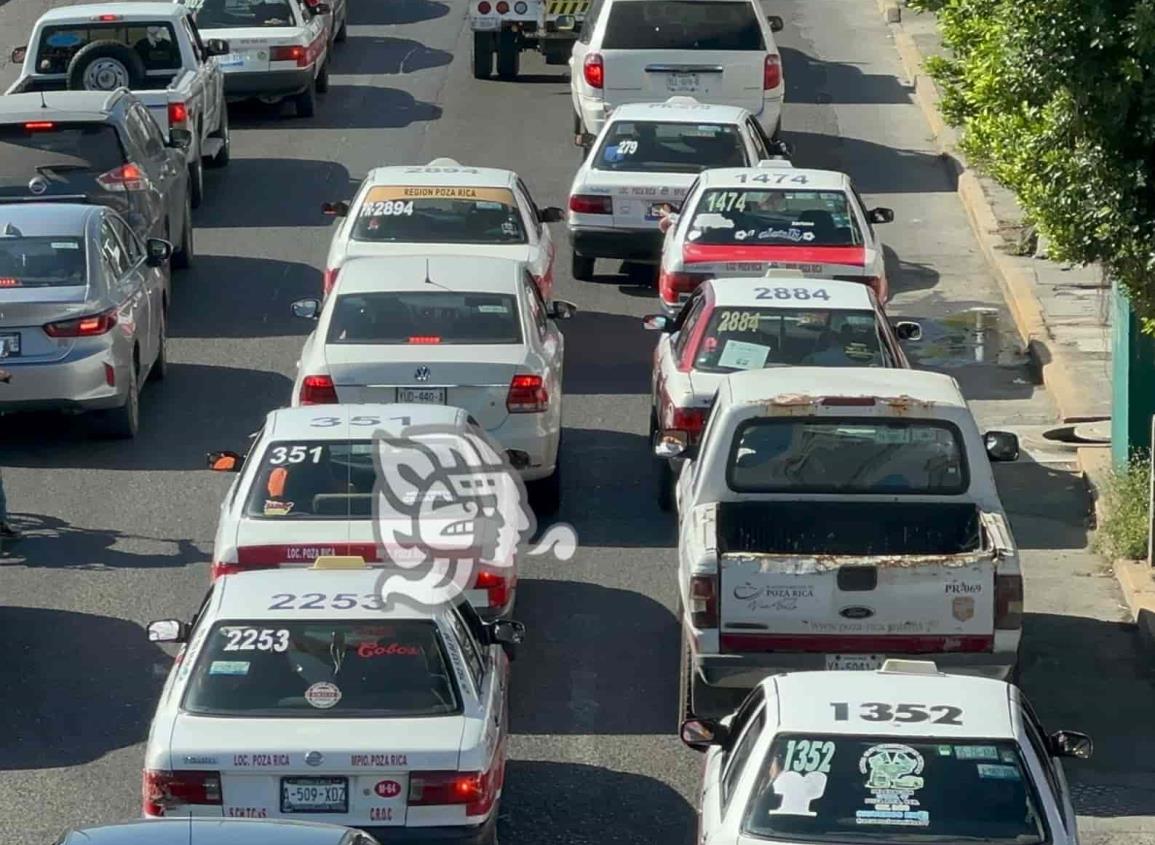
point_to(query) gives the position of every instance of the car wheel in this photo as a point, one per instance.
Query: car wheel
(684, 672)
(582, 268)
(160, 365)
(343, 32)
(124, 422)
(182, 256)
(483, 47)
(666, 479)
(323, 79)
(306, 102)
(223, 155)
(196, 183)
(508, 55)
(545, 495)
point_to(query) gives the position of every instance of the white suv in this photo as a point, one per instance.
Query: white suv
(717, 51)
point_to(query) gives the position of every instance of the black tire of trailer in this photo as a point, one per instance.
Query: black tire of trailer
(484, 46)
(508, 54)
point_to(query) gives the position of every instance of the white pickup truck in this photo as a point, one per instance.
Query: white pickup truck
(151, 48)
(832, 518)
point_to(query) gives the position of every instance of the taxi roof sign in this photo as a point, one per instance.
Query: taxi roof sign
(339, 562)
(770, 163)
(910, 667)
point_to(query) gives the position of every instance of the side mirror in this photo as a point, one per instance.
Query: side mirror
(907, 330)
(167, 631)
(780, 148)
(881, 215)
(507, 632)
(700, 734)
(776, 23)
(565, 23)
(18, 55)
(180, 139)
(657, 323)
(667, 222)
(306, 309)
(159, 251)
(1001, 445)
(559, 309)
(335, 209)
(224, 461)
(585, 140)
(1071, 744)
(551, 214)
(217, 47)
(675, 444)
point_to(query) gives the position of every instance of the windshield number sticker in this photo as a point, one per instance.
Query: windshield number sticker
(774, 178)
(388, 208)
(739, 321)
(878, 712)
(792, 293)
(720, 202)
(627, 148)
(808, 755)
(329, 422)
(256, 639)
(321, 601)
(295, 454)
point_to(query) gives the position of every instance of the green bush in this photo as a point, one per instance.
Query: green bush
(1056, 101)
(1126, 514)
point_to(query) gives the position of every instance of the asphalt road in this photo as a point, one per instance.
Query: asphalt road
(119, 534)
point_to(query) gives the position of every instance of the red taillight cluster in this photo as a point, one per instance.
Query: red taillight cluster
(476, 790)
(591, 204)
(90, 326)
(771, 72)
(502, 8)
(127, 177)
(177, 114)
(1008, 602)
(290, 53)
(704, 601)
(672, 283)
(689, 420)
(163, 789)
(483, 8)
(425, 340)
(329, 280)
(527, 395)
(318, 390)
(496, 587)
(594, 71)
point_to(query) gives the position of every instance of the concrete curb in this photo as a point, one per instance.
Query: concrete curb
(1134, 578)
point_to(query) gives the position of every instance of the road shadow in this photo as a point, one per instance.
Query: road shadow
(375, 54)
(395, 12)
(79, 686)
(823, 82)
(590, 805)
(578, 671)
(607, 354)
(1048, 508)
(273, 192)
(1089, 675)
(559, 78)
(51, 543)
(258, 293)
(907, 276)
(875, 168)
(344, 107)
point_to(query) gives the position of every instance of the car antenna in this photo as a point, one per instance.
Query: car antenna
(43, 103)
(430, 281)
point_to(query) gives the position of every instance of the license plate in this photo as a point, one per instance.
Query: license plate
(9, 345)
(231, 60)
(854, 662)
(486, 24)
(422, 395)
(314, 795)
(682, 82)
(655, 212)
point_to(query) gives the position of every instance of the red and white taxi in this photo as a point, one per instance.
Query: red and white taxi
(444, 208)
(780, 320)
(745, 221)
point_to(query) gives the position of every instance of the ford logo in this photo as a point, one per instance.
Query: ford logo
(388, 788)
(856, 612)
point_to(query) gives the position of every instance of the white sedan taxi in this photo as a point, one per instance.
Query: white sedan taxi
(470, 332)
(903, 755)
(306, 489)
(642, 163)
(299, 695)
(779, 320)
(444, 208)
(743, 222)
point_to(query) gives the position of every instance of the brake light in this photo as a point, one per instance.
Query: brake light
(594, 71)
(8, 282)
(330, 279)
(425, 339)
(177, 114)
(689, 420)
(771, 72)
(161, 790)
(127, 177)
(476, 790)
(318, 390)
(290, 53)
(496, 587)
(527, 395)
(502, 8)
(90, 326)
(220, 569)
(39, 125)
(1008, 602)
(483, 8)
(672, 283)
(704, 601)
(847, 401)
(591, 204)
(107, 18)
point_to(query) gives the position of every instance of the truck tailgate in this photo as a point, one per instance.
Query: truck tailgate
(157, 104)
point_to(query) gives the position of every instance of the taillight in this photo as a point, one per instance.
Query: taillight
(527, 395)
(90, 326)
(771, 72)
(425, 340)
(161, 790)
(689, 420)
(330, 279)
(496, 587)
(672, 283)
(290, 53)
(502, 8)
(40, 126)
(318, 390)
(177, 114)
(476, 790)
(127, 177)
(1008, 602)
(591, 204)
(219, 569)
(704, 601)
(594, 71)
(483, 8)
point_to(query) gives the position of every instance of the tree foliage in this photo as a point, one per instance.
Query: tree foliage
(1056, 101)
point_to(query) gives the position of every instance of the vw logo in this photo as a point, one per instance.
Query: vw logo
(38, 185)
(422, 374)
(856, 612)
(314, 758)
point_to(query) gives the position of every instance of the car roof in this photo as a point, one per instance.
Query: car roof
(745, 291)
(209, 832)
(804, 700)
(680, 110)
(756, 386)
(458, 273)
(37, 219)
(433, 174)
(129, 11)
(79, 106)
(816, 180)
(297, 422)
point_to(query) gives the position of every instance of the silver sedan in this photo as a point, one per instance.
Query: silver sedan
(83, 304)
(216, 832)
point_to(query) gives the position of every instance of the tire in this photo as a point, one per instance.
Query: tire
(707, 702)
(483, 48)
(123, 423)
(545, 495)
(159, 369)
(182, 256)
(666, 482)
(224, 155)
(343, 33)
(323, 79)
(684, 673)
(556, 52)
(196, 183)
(508, 55)
(105, 66)
(306, 102)
(582, 268)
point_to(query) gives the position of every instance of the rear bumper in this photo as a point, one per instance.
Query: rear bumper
(267, 83)
(530, 445)
(623, 244)
(69, 385)
(477, 835)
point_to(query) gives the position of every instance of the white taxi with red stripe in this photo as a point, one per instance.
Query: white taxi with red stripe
(304, 695)
(306, 489)
(444, 208)
(277, 48)
(743, 222)
(779, 320)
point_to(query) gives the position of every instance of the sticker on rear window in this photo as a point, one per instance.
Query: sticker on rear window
(323, 695)
(743, 356)
(64, 39)
(229, 667)
(976, 752)
(893, 776)
(713, 221)
(797, 791)
(492, 309)
(273, 508)
(65, 245)
(989, 771)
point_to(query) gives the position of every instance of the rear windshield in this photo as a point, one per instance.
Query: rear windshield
(439, 215)
(231, 14)
(651, 147)
(322, 669)
(829, 455)
(154, 43)
(752, 338)
(774, 218)
(418, 317)
(683, 25)
(836, 788)
(42, 262)
(54, 149)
